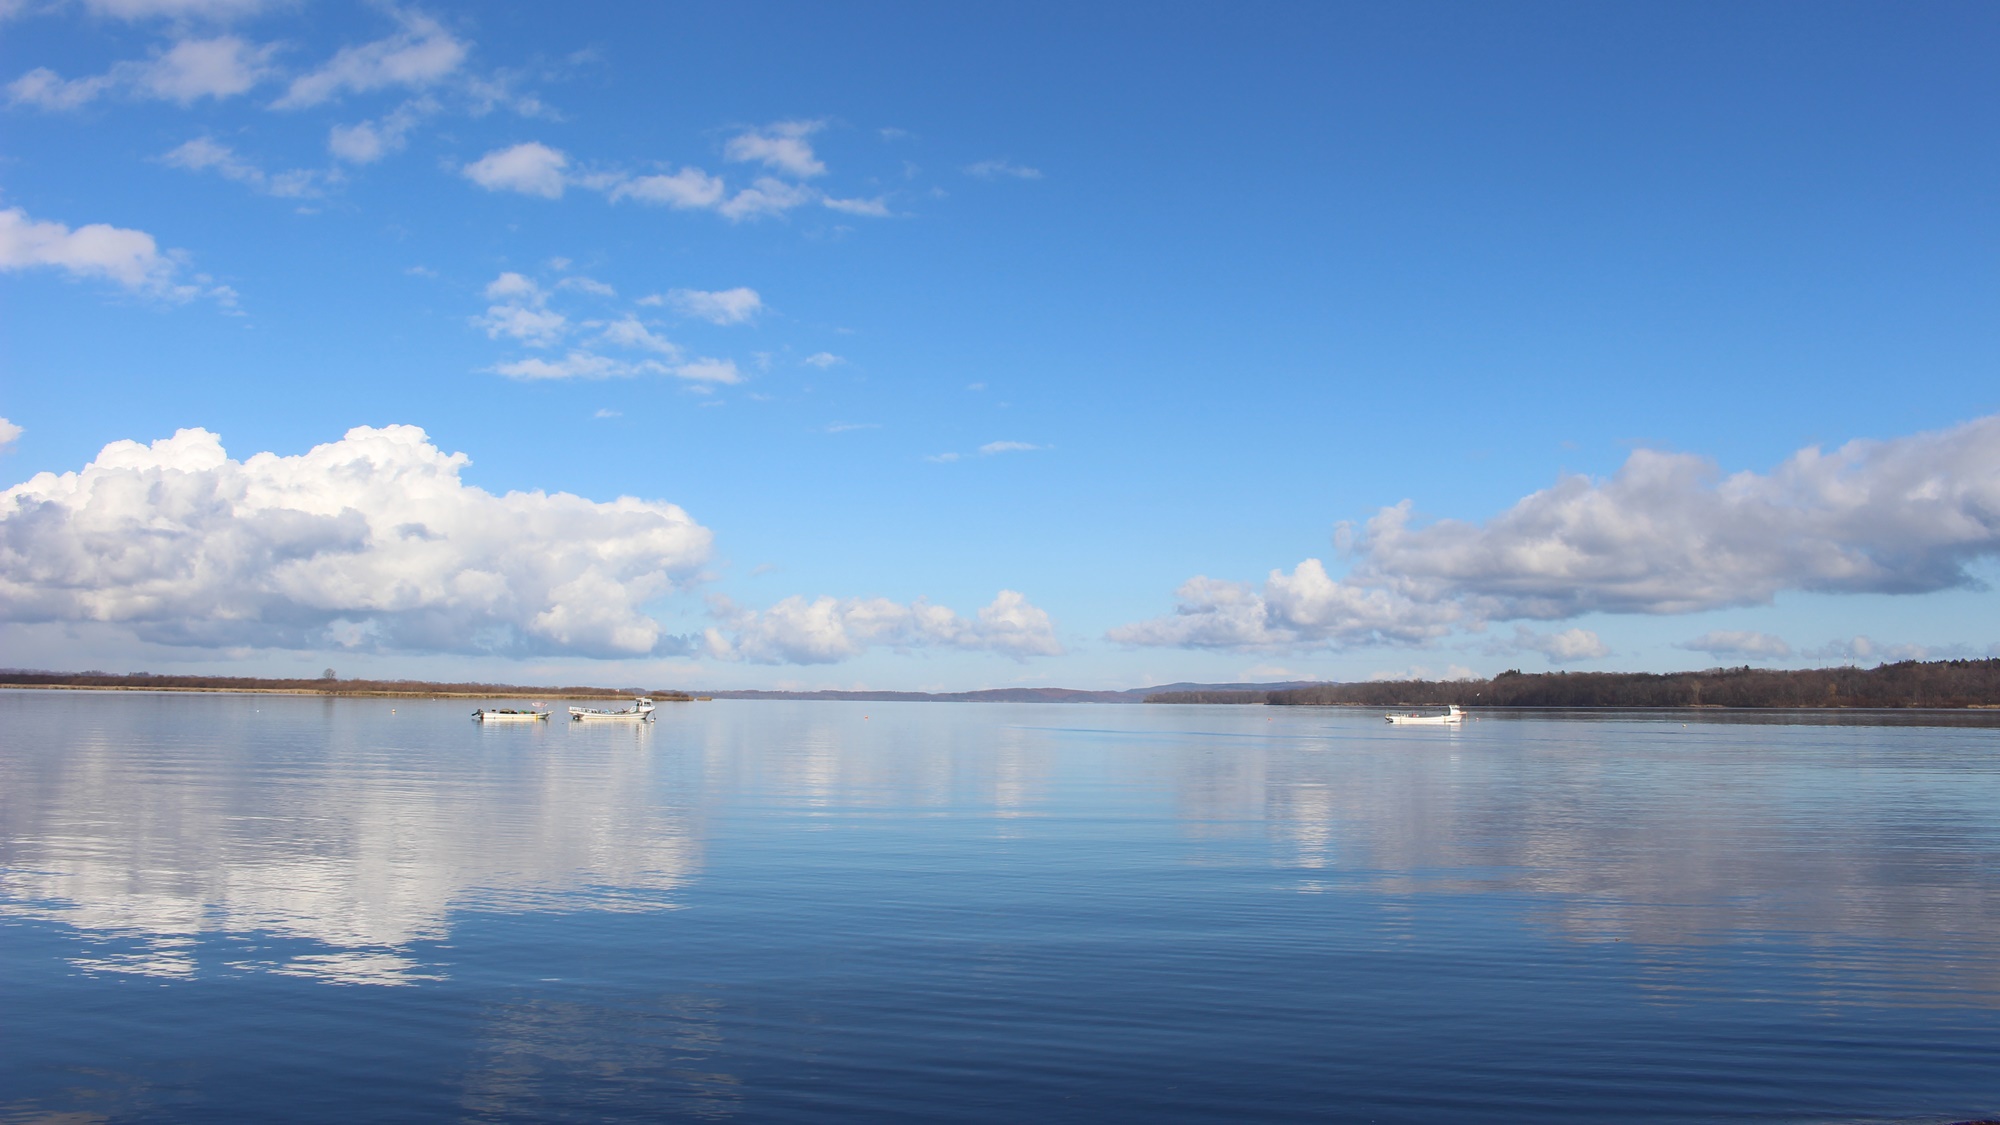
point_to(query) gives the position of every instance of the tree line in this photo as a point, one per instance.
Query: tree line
(1910, 683)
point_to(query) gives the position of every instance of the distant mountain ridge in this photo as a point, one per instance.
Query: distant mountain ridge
(1011, 695)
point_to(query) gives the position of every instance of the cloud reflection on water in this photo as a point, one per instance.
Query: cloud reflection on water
(307, 828)
(333, 843)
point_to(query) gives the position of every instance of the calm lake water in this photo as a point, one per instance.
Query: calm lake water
(231, 908)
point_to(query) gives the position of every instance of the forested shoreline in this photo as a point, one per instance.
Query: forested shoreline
(1912, 683)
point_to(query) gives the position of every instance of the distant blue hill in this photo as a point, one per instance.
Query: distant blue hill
(1012, 695)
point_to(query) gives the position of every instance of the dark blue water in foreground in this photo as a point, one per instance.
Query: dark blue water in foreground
(229, 908)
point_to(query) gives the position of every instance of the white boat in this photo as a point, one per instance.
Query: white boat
(1451, 715)
(503, 715)
(641, 711)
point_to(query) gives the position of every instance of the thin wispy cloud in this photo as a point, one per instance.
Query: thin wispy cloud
(1739, 643)
(189, 70)
(710, 370)
(204, 154)
(822, 360)
(215, 10)
(522, 311)
(740, 305)
(1002, 169)
(844, 427)
(534, 168)
(1565, 647)
(877, 208)
(993, 447)
(1863, 650)
(366, 142)
(420, 55)
(780, 146)
(689, 189)
(826, 630)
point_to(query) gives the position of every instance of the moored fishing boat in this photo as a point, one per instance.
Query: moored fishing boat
(641, 711)
(1451, 715)
(508, 715)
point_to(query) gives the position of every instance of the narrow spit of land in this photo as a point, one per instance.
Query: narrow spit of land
(1910, 683)
(146, 681)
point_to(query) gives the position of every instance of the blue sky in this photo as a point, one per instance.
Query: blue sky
(947, 348)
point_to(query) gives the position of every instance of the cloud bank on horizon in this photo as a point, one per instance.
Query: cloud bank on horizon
(374, 543)
(1667, 534)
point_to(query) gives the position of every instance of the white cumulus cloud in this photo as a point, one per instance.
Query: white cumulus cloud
(130, 258)
(532, 168)
(9, 432)
(1668, 533)
(726, 306)
(372, 540)
(422, 54)
(826, 630)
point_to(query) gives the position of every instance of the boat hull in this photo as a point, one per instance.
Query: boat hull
(641, 711)
(511, 716)
(1452, 717)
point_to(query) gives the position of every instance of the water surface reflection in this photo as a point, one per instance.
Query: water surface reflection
(812, 910)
